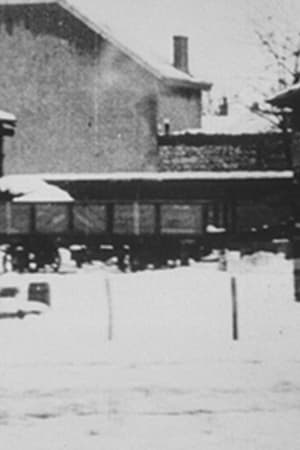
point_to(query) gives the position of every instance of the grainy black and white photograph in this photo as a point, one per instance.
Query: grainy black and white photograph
(149, 224)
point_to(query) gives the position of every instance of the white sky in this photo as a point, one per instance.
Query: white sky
(223, 45)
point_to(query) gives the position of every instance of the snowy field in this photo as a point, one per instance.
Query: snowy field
(146, 361)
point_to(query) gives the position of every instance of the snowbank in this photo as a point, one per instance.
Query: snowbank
(181, 314)
(258, 262)
(171, 376)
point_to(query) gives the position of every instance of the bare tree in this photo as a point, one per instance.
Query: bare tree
(282, 55)
(282, 52)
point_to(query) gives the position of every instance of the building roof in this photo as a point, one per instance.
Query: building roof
(47, 193)
(288, 97)
(170, 176)
(239, 121)
(7, 117)
(142, 56)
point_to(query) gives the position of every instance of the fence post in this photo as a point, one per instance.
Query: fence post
(235, 328)
(297, 279)
(110, 309)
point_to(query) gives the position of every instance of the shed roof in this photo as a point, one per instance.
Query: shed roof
(7, 117)
(288, 97)
(170, 176)
(142, 56)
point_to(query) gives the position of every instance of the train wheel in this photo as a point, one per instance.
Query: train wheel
(78, 262)
(56, 263)
(7, 262)
(32, 266)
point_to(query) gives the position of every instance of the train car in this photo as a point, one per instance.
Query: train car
(144, 218)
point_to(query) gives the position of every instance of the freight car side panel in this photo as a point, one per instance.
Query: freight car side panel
(158, 218)
(14, 218)
(182, 219)
(19, 220)
(51, 218)
(134, 218)
(253, 214)
(89, 218)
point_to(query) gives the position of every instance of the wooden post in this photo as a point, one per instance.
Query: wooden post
(136, 218)
(109, 218)
(157, 219)
(32, 216)
(297, 279)
(234, 218)
(223, 260)
(205, 217)
(225, 214)
(110, 309)
(70, 215)
(8, 217)
(1, 152)
(235, 329)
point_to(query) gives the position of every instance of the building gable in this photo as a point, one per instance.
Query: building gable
(67, 22)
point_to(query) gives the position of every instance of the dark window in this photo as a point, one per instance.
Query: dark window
(27, 22)
(8, 292)
(9, 25)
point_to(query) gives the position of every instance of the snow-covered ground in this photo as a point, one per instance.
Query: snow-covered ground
(147, 361)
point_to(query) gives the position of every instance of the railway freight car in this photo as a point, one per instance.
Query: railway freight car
(146, 218)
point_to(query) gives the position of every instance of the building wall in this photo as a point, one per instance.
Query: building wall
(82, 105)
(181, 107)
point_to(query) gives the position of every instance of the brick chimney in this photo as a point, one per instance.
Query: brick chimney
(181, 57)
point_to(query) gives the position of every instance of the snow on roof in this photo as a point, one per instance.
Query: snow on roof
(46, 194)
(20, 184)
(32, 188)
(240, 121)
(136, 50)
(171, 176)
(286, 96)
(7, 117)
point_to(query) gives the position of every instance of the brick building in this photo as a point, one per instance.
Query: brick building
(84, 101)
(249, 173)
(198, 151)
